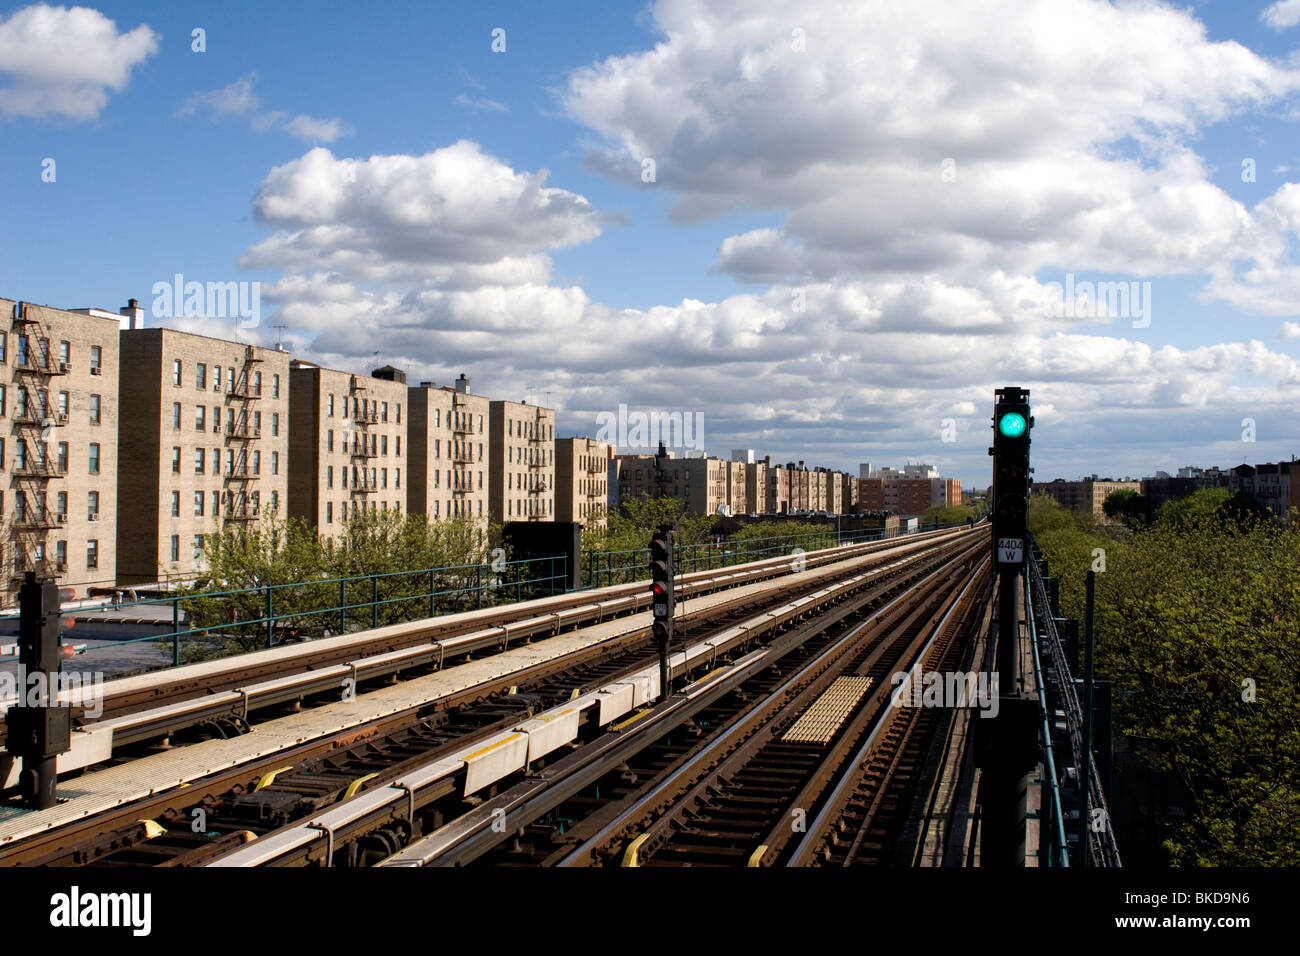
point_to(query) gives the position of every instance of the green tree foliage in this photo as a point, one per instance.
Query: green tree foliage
(634, 524)
(948, 514)
(1126, 506)
(1198, 624)
(380, 553)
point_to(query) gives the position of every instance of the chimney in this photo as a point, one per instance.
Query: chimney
(462, 384)
(133, 315)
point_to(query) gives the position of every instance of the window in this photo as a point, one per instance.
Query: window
(20, 404)
(92, 554)
(199, 499)
(176, 548)
(176, 414)
(329, 440)
(329, 476)
(397, 478)
(176, 504)
(176, 371)
(230, 460)
(216, 503)
(2, 399)
(176, 461)
(257, 384)
(329, 512)
(216, 377)
(61, 553)
(63, 406)
(275, 501)
(92, 458)
(437, 418)
(201, 375)
(62, 449)
(398, 440)
(96, 358)
(383, 412)
(329, 404)
(257, 462)
(65, 352)
(230, 379)
(200, 460)
(257, 422)
(275, 386)
(343, 512)
(198, 548)
(200, 417)
(4, 346)
(383, 444)
(383, 478)
(480, 424)
(92, 502)
(61, 503)
(275, 462)
(275, 424)
(22, 350)
(399, 413)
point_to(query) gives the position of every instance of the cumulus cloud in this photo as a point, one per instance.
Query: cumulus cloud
(897, 138)
(1283, 14)
(1289, 330)
(892, 290)
(60, 61)
(455, 216)
(240, 99)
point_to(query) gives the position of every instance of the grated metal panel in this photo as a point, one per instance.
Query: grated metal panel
(823, 718)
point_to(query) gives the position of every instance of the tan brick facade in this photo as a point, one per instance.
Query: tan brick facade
(204, 435)
(450, 439)
(347, 447)
(581, 480)
(521, 465)
(58, 446)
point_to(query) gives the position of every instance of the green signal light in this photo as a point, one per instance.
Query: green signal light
(1012, 425)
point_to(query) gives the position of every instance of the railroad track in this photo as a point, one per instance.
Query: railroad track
(588, 792)
(256, 799)
(222, 698)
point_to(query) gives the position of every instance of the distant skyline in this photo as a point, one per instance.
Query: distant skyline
(831, 230)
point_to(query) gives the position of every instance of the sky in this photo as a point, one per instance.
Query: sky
(829, 229)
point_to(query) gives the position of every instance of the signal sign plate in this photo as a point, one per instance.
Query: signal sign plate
(1011, 550)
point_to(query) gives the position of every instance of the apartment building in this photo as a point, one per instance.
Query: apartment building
(58, 445)
(778, 488)
(909, 491)
(521, 463)
(449, 432)
(1087, 494)
(703, 484)
(347, 449)
(756, 486)
(203, 434)
(581, 480)
(737, 495)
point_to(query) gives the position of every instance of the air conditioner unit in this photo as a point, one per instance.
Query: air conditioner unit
(94, 516)
(65, 367)
(63, 518)
(61, 566)
(216, 386)
(217, 427)
(96, 370)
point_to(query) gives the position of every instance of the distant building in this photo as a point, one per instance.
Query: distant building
(1273, 489)
(521, 465)
(346, 450)
(907, 492)
(581, 480)
(745, 455)
(449, 434)
(1088, 494)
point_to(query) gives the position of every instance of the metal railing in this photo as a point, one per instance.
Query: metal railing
(224, 623)
(1102, 848)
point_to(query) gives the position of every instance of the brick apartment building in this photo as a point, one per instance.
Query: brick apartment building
(450, 434)
(521, 462)
(581, 480)
(59, 444)
(347, 449)
(203, 432)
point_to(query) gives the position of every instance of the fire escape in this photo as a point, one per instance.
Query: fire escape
(462, 452)
(362, 450)
(242, 504)
(536, 477)
(33, 424)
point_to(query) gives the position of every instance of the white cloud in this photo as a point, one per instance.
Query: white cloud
(482, 103)
(455, 216)
(1283, 14)
(60, 61)
(1289, 330)
(239, 99)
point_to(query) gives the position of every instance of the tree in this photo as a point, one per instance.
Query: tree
(948, 514)
(1126, 506)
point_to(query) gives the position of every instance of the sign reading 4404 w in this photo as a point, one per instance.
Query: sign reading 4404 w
(1011, 550)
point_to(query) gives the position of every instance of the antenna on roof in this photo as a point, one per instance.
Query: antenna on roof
(279, 336)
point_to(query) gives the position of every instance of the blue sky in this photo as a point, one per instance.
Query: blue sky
(1103, 141)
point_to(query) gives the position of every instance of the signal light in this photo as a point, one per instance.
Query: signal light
(1012, 425)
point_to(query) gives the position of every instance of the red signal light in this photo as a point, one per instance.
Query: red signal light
(657, 588)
